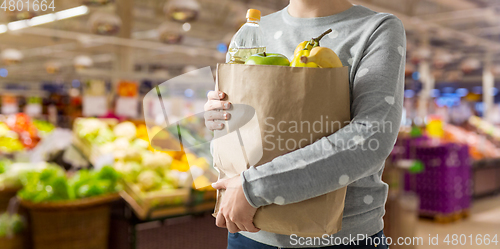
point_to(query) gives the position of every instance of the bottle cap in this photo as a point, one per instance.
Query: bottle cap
(253, 14)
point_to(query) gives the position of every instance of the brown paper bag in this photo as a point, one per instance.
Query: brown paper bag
(282, 98)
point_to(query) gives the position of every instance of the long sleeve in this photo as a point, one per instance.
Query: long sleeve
(357, 150)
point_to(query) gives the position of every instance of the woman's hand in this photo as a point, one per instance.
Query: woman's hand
(213, 110)
(235, 213)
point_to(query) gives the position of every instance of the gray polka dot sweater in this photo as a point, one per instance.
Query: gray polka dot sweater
(373, 46)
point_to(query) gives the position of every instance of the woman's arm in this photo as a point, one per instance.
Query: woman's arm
(358, 149)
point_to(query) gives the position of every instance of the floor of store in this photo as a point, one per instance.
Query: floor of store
(176, 233)
(484, 219)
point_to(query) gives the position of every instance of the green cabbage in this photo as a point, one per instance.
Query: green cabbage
(11, 224)
(51, 184)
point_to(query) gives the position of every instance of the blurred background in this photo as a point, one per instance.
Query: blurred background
(74, 145)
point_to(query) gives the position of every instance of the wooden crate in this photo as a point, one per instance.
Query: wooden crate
(156, 203)
(446, 218)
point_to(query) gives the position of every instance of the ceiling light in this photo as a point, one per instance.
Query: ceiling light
(83, 61)
(170, 33)
(77, 11)
(38, 20)
(17, 25)
(11, 56)
(3, 28)
(104, 23)
(182, 10)
(186, 26)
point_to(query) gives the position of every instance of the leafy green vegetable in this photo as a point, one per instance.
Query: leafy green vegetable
(78, 180)
(48, 185)
(94, 130)
(43, 127)
(4, 165)
(11, 224)
(108, 173)
(51, 184)
(87, 184)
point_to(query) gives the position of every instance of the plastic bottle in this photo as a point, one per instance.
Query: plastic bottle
(247, 41)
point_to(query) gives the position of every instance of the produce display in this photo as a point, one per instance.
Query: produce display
(9, 140)
(44, 127)
(11, 173)
(145, 171)
(11, 224)
(4, 165)
(149, 171)
(479, 146)
(485, 127)
(94, 131)
(479, 135)
(53, 184)
(19, 132)
(22, 125)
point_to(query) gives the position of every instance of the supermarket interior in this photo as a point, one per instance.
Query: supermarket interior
(88, 158)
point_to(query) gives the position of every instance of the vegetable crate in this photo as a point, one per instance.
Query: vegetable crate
(90, 151)
(15, 242)
(79, 224)
(5, 196)
(202, 196)
(144, 204)
(445, 185)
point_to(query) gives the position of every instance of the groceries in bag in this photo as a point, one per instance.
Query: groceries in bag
(268, 59)
(247, 41)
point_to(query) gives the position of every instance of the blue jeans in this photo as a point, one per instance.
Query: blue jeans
(238, 241)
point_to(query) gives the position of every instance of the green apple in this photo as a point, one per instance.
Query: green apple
(268, 59)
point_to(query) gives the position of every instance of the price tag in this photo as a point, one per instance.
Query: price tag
(95, 106)
(33, 110)
(127, 107)
(10, 109)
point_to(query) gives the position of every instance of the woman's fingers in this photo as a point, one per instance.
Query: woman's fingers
(249, 226)
(214, 125)
(212, 116)
(216, 115)
(214, 119)
(231, 226)
(220, 221)
(216, 105)
(213, 95)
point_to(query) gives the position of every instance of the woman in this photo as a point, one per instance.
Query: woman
(373, 46)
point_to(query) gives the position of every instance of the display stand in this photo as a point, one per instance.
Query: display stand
(486, 178)
(124, 212)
